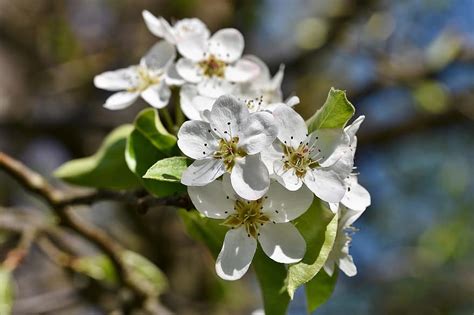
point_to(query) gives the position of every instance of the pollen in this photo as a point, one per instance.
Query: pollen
(228, 151)
(298, 160)
(213, 67)
(249, 215)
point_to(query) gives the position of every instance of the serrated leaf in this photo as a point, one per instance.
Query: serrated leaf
(335, 113)
(271, 276)
(106, 168)
(148, 123)
(6, 291)
(168, 170)
(318, 226)
(97, 267)
(146, 272)
(205, 230)
(319, 289)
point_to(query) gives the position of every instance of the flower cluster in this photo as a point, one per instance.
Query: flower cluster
(256, 165)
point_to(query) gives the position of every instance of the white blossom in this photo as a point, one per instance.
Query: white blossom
(230, 141)
(266, 220)
(149, 80)
(214, 64)
(298, 157)
(178, 33)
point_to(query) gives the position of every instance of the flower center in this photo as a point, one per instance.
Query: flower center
(228, 151)
(249, 214)
(213, 67)
(298, 159)
(145, 80)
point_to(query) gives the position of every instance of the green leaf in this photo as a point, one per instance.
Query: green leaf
(6, 291)
(335, 112)
(318, 226)
(320, 289)
(106, 168)
(97, 267)
(271, 276)
(140, 155)
(148, 123)
(205, 230)
(146, 272)
(168, 170)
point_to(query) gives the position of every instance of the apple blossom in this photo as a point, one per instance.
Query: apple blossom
(266, 220)
(298, 157)
(229, 143)
(149, 79)
(214, 64)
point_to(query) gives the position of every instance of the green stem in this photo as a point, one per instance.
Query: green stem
(167, 119)
(179, 116)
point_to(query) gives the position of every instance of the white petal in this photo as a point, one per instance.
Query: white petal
(227, 115)
(214, 87)
(117, 80)
(356, 197)
(348, 217)
(157, 95)
(282, 242)
(352, 129)
(292, 128)
(277, 79)
(189, 27)
(236, 254)
(227, 44)
(283, 205)
(345, 164)
(333, 206)
(193, 47)
(346, 264)
(153, 23)
(211, 200)
(242, 71)
(292, 101)
(250, 178)
(172, 76)
(227, 186)
(196, 140)
(270, 155)
(120, 100)
(159, 56)
(189, 70)
(286, 177)
(192, 104)
(202, 172)
(328, 145)
(329, 267)
(258, 132)
(325, 184)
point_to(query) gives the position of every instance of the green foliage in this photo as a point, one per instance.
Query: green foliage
(97, 267)
(106, 168)
(320, 288)
(6, 291)
(148, 143)
(145, 272)
(335, 112)
(168, 170)
(318, 227)
(208, 231)
(271, 276)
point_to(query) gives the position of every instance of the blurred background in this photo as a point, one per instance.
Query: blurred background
(407, 65)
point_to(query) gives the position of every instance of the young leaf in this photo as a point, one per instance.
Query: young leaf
(208, 231)
(271, 276)
(335, 113)
(146, 272)
(106, 168)
(148, 123)
(318, 227)
(6, 291)
(319, 289)
(168, 170)
(97, 267)
(140, 155)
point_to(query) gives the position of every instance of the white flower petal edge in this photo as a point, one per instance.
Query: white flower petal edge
(282, 242)
(250, 178)
(236, 254)
(211, 200)
(283, 205)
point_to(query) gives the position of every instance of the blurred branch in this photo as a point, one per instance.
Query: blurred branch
(36, 184)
